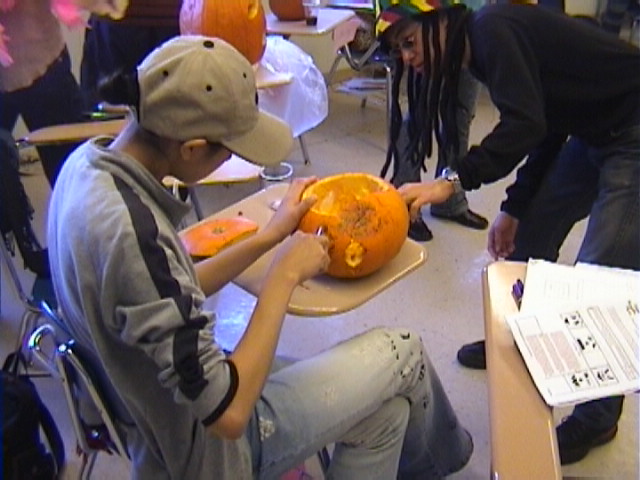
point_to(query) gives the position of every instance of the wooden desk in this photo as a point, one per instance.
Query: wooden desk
(71, 132)
(321, 296)
(328, 20)
(523, 436)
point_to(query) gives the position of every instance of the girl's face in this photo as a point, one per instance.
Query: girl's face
(407, 44)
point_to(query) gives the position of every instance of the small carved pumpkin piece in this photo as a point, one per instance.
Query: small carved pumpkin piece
(209, 237)
(365, 219)
(241, 23)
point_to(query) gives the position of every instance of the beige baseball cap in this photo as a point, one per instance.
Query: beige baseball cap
(194, 86)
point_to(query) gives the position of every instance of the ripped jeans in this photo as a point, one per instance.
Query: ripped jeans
(376, 397)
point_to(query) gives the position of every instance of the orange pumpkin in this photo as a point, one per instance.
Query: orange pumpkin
(287, 10)
(209, 237)
(365, 219)
(239, 22)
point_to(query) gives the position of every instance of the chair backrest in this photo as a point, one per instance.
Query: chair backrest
(83, 390)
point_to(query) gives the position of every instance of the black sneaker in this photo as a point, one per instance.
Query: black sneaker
(472, 355)
(575, 439)
(468, 218)
(419, 231)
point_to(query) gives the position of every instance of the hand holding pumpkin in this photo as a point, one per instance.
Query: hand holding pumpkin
(418, 194)
(291, 209)
(301, 257)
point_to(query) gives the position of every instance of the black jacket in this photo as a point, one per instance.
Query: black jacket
(550, 76)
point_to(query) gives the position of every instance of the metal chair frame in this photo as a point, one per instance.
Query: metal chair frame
(65, 363)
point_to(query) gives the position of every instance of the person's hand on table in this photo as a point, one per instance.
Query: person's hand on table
(290, 210)
(502, 234)
(418, 194)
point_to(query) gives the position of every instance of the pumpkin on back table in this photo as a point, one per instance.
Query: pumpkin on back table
(241, 23)
(365, 219)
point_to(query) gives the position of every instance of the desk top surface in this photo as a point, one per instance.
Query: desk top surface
(323, 295)
(523, 438)
(328, 20)
(352, 4)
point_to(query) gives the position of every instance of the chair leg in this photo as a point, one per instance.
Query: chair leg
(305, 152)
(27, 325)
(389, 81)
(334, 66)
(324, 459)
(88, 462)
(196, 203)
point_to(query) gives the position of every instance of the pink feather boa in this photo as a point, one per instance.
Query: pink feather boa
(70, 12)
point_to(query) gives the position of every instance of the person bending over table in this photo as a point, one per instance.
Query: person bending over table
(551, 77)
(129, 291)
(410, 139)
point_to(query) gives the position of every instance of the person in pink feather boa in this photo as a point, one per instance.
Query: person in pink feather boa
(36, 82)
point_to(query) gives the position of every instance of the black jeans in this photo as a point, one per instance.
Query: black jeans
(52, 99)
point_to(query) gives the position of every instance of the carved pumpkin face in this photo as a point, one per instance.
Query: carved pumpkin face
(365, 219)
(207, 238)
(239, 22)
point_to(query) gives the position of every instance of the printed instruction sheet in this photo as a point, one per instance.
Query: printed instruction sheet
(578, 331)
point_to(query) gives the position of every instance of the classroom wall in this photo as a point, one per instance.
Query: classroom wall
(320, 48)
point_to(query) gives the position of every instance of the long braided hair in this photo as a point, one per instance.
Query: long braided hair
(433, 93)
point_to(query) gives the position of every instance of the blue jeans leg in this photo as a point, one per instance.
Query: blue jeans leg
(468, 90)
(376, 397)
(603, 183)
(613, 238)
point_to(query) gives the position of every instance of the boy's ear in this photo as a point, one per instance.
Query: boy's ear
(189, 148)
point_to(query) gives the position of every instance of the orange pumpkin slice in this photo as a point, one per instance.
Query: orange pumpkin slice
(209, 237)
(364, 217)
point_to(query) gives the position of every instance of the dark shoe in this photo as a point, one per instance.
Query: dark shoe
(468, 218)
(472, 355)
(575, 439)
(419, 231)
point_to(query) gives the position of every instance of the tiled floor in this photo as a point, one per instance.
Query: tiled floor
(441, 300)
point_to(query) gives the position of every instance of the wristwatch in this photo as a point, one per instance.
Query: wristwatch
(450, 175)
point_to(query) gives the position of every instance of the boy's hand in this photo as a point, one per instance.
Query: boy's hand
(291, 209)
(417, 194)
(502, 234)
(301, 256)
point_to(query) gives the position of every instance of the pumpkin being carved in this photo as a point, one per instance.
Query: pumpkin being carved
(365, 219)
(241, 23)
(209, 237)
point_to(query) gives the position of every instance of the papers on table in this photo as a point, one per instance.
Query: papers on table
(578, 331)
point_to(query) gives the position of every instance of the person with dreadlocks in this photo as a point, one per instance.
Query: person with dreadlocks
(552, 78)
(411, 143)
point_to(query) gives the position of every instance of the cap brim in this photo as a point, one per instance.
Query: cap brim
(268, 143)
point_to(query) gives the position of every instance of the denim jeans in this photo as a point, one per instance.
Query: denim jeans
(406, 172)
(52, 99)
(603, 183)
(376, 397)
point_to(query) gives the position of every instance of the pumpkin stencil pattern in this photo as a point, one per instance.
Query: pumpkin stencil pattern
(365, 219)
